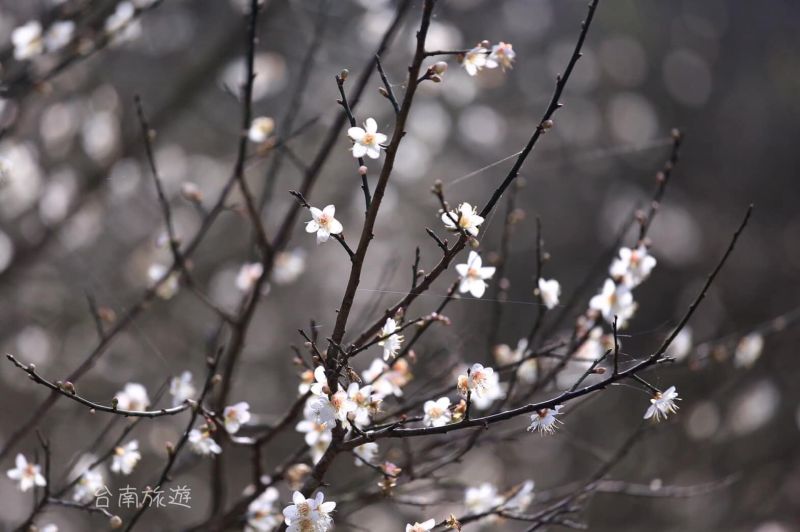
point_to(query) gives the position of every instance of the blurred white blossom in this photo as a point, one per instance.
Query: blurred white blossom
(27, 40)
(27, 474)
(126, 457)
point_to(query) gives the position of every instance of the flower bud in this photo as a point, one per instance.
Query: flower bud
(440, 67)
(115, 522)
(343, 74)
(191, 192)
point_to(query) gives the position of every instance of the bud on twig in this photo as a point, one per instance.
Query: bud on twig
(343, 74)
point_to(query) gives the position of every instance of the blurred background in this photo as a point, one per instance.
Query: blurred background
(79, 215)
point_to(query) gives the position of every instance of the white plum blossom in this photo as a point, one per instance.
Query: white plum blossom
(549, 291)
(465, 218)
(249, 273)
(235, 416)
(27, 40)
(520, 501)
(367, 402)
(288, 266)
(181, 388)
(632, 266)
(425, 526)
(316, 434)
(502, 55)
(388, 380)
(366, 141)
(748, 350)
(318, 450)
(391, 341)
(473, 275)
(27, 474)
(482, 498)
(59, 34)
(88, 484)
(477, 381)
(474, 60)
(262, 514)
(367, 453)
(169, 287)
(260, 129)
(320, 385)
(126, 457)
(614, 300)
(681, 346)
(202, 443)
(662, 404)
(309, 514)
(121, 18)
(544, 420)
(343, 405)
(323, 223)
(493, 390)
(133, 397)
(306, 380)
(437, 413)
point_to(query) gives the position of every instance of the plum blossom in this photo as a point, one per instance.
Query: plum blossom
(502, 55)
(288, 266)
(235, 416)
(544, 420)
(367, 403)
(88, 484)
(437, 413)
(260, 129)
(202, 443)
(748, 350)
(59, 34)
(313, 430)
(633, 266)
(477, 381)
(121, 18)
(320, 384)
(520, 501)
(662, 404)
(181, 388)
(367, 141)
(473, 275)
(323, 223)
(391, 341)
(494, 390)
(681, 346)
(425, 526)
(133, 397)
(262, 514)
(482, 498)
(169, 287)
(309, 514)
(614, 300)
(475, 60)
(27, 474)
(27, 40)
(248, 275)
(306, 380)
(388, 380)
(465, 218)
(549, 291)
(125, 458)
(367, 453)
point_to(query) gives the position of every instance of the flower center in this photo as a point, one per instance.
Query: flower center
(473, 273)
(368, 138)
